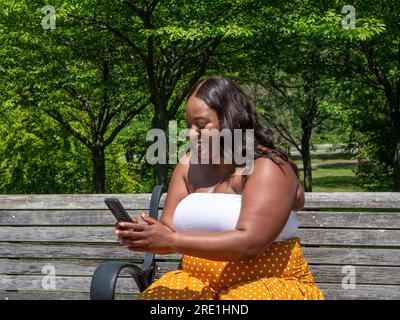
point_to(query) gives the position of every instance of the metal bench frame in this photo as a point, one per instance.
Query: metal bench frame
(105, 277)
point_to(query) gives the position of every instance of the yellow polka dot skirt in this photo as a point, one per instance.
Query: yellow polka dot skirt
(280, 273)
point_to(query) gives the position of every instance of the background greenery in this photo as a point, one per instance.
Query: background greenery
(77, 101)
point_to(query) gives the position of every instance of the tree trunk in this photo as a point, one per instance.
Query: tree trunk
(306, 126)
(161, 176)
(307, 169)
(129, 151)
(396, 163)
(306, 152)
(160, 121)
(395, 107)
(397, 166)
(99, 170)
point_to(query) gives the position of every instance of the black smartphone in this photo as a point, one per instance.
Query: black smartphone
(117, 209)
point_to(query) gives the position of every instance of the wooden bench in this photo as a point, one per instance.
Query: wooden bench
(50, 245)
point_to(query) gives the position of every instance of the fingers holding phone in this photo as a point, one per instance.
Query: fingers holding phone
(124, 225)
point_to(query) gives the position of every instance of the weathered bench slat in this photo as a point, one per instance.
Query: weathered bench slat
(81, 251)
(361, 292)
(105, 234)
(125, 285)
(333, 274)
(63, 283)
(374, 220)
(21, 295)
(364, 275)
(387, 200)
(340, 256)
(61, 217)
(59, 234)
(25, 295)
(331, 292)
(62, 268)
(352, 256)
(322, 273)
(349, 237)
(72, 201)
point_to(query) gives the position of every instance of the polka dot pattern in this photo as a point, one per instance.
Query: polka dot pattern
(280, 273)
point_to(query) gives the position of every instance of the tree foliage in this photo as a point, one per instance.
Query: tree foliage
(76, 101)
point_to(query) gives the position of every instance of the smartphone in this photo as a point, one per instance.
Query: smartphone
(117, 209)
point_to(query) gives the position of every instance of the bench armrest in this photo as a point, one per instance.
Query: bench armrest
(158, 191)
(105, 278)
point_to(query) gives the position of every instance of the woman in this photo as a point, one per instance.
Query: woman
(237, 233)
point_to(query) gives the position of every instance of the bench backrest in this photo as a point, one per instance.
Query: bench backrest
(50, 245)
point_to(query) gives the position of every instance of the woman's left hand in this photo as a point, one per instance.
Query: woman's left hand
(151, 236)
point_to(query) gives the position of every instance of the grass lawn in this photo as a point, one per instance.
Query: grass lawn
(334, 177)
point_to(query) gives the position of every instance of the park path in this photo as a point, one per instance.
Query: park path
(330, 164)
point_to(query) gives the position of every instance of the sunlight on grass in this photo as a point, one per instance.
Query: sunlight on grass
(335, 178)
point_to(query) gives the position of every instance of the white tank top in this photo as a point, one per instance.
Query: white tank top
(213, 212)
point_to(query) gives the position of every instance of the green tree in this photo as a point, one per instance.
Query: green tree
(171, 41)
(161, 48)
(312, 48)
(76, 75)
(375, 63)
(294, 106)
(37, 156)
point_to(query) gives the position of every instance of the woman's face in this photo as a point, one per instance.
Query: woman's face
(200, 116)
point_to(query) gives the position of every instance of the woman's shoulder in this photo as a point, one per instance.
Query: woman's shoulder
(183, 162)
(271, 178)
(270, 167)
(181, 168)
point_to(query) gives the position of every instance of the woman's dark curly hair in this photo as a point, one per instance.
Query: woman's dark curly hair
(235, 110)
